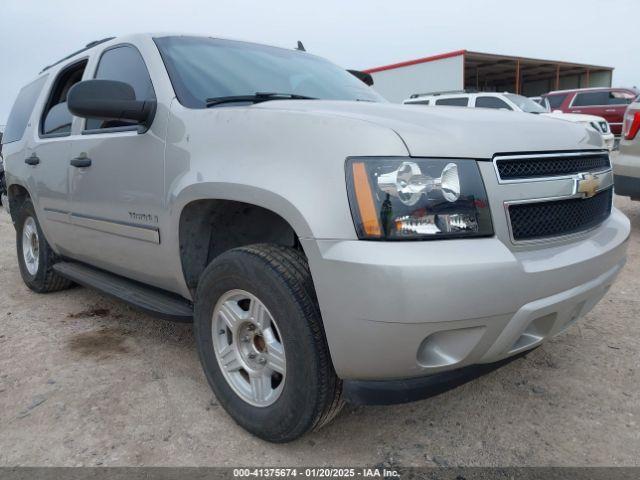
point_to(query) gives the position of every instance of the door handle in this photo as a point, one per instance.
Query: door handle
(80, 162)
(610, 110)
(32, 160)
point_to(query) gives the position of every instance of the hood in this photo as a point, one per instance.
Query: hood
(455, 131)
(575, 117)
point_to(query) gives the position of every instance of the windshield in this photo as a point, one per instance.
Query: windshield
(525, 104)
(204, 68)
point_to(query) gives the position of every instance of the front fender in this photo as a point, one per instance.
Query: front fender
(240, 193)
(289, 162)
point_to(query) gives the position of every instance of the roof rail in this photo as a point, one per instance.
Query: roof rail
(444, 92)
(86, 47)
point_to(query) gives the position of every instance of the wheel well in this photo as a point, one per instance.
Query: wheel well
(17, 195)
(209, 228)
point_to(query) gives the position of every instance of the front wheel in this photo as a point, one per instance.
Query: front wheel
(35, 257)
(261, 342)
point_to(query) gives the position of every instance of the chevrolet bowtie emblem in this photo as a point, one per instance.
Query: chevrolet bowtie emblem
(587, 184)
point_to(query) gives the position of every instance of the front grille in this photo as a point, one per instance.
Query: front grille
(530, 221)
(521, 168)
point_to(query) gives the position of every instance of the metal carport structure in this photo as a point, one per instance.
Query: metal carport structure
(467, 69)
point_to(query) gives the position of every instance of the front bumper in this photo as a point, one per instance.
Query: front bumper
(609, 141)
(394, 310)
(389, 392)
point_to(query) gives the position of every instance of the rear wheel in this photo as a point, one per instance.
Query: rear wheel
(261, 342)
(35, 257)
(4, 201)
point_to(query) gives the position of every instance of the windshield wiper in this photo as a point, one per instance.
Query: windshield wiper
(255, 98)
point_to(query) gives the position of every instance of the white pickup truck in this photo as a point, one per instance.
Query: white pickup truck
(513, 102)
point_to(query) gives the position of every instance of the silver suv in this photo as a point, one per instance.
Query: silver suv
(327, 245)
(626, 165)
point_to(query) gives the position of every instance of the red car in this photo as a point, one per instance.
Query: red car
(609, 103)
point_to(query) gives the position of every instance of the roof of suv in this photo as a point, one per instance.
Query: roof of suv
(125, 38)
(85, 51)
(71, 55)
(590, 89)
(418, 97)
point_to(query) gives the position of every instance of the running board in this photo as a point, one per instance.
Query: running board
(148, 299)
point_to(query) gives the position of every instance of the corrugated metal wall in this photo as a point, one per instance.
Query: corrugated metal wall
(398, 84)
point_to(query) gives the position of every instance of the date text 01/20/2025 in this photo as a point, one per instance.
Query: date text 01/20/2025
(315, 472)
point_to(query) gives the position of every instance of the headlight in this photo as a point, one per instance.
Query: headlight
(411, 199)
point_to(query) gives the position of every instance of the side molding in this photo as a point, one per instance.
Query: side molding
(127, 230)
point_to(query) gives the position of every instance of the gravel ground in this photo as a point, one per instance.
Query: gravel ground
(84, 380)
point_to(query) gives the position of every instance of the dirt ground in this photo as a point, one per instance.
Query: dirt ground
(84, 380)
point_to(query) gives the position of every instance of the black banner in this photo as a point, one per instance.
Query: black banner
(196, 473)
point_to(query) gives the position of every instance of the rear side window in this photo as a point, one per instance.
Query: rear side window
(454, 102)
(56, 118)
(124, 64)
(21, 111)
(602, 98)
(621, 98)
(555, 101)
(491, 102)
(591, 98)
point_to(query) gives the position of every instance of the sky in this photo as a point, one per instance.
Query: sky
(352, 33)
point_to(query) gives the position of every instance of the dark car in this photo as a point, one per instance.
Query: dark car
(3, 185)
(609, 103)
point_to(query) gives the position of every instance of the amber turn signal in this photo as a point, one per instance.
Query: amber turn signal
(364, 197)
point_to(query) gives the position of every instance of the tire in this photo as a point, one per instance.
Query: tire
(3, 189)
(310, 393)
(37, 274)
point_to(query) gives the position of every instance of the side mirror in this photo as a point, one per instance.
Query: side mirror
(109, 100)
(362, 76)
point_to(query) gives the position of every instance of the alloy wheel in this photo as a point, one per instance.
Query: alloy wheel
(249, 348)
(30, 246)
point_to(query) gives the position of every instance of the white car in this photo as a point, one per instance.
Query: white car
(514, 102)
